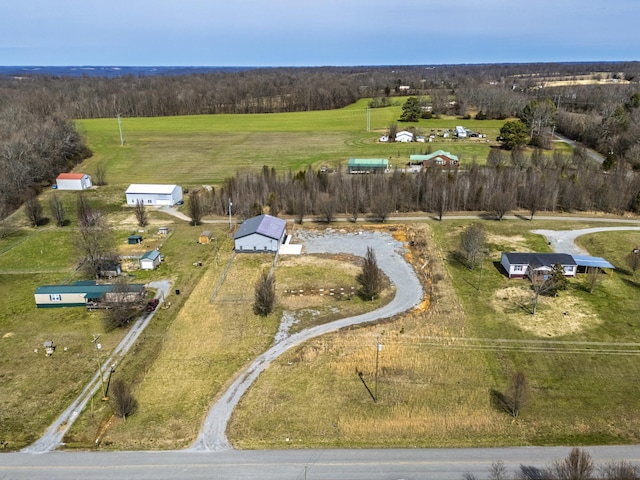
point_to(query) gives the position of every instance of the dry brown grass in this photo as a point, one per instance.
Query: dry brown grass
(208, 344)
(555, 316)
(320, 401)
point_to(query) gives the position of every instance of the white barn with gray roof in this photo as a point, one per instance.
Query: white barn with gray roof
(263, 233)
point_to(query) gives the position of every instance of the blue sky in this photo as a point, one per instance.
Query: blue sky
(315, 32)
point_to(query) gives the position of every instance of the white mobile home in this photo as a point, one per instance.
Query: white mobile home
(86, 294)
(73, 181)
(153, 194)
(520, 265)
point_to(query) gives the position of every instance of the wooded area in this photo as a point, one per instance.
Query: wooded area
(38, 139)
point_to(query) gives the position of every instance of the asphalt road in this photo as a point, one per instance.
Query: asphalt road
(391, 464)
(201, 463)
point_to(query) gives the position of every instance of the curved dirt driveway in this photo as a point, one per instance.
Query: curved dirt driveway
(408, 294)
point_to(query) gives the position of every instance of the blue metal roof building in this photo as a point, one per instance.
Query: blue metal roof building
(263, 233)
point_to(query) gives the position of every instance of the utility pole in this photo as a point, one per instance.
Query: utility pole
(378, 349)
(120, 129)
(230, 204)
(98, 348)
(368, 118)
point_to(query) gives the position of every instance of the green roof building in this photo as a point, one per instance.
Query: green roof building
(83, 293)
(368, 165)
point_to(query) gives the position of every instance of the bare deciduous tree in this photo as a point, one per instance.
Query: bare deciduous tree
(327, 208)
(86, 215)
(265, 294)
(633, 260)
(577, 466)
(517, 394)
(95, 244)
(593, 278)
(370, 279)
(472, 245)
(501, 203)
(382, 207)
(33, 210)
(498, 471)
(195, 207)
(124, 305)
(100, 177)
(142, 216)
(57, 210)
(122, 400)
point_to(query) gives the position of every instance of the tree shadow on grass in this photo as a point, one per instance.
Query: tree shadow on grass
(499, 401)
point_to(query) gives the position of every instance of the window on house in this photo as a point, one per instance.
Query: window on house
(517, 268)
(55, 297)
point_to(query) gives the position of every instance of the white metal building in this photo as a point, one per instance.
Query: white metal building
(263, 233)
(153, 194)
(73, 181)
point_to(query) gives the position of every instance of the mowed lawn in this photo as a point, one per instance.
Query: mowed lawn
(206, 149)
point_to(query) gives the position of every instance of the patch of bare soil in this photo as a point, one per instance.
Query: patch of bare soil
(512, 242)
(555, 316)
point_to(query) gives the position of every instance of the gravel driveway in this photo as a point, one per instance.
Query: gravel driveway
(563, 241)
(388, 253)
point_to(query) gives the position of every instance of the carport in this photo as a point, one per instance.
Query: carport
(586, 261)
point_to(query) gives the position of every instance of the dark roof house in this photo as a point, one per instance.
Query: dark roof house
(519, 265)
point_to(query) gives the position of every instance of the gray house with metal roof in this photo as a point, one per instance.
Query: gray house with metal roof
(85, 294)
(263, 233)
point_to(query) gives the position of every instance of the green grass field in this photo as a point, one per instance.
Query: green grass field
(206, 149)
(437, 366)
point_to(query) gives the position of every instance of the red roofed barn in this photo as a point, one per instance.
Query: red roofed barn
(73, 181)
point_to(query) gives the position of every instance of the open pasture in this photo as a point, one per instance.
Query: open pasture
(206, 149)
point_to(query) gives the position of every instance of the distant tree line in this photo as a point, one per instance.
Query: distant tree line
(38, 139)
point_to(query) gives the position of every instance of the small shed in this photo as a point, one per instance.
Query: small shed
(163, 230)
(109, 270)
(73, 181)
(150, 260)
(134, 239)
(205, 237)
